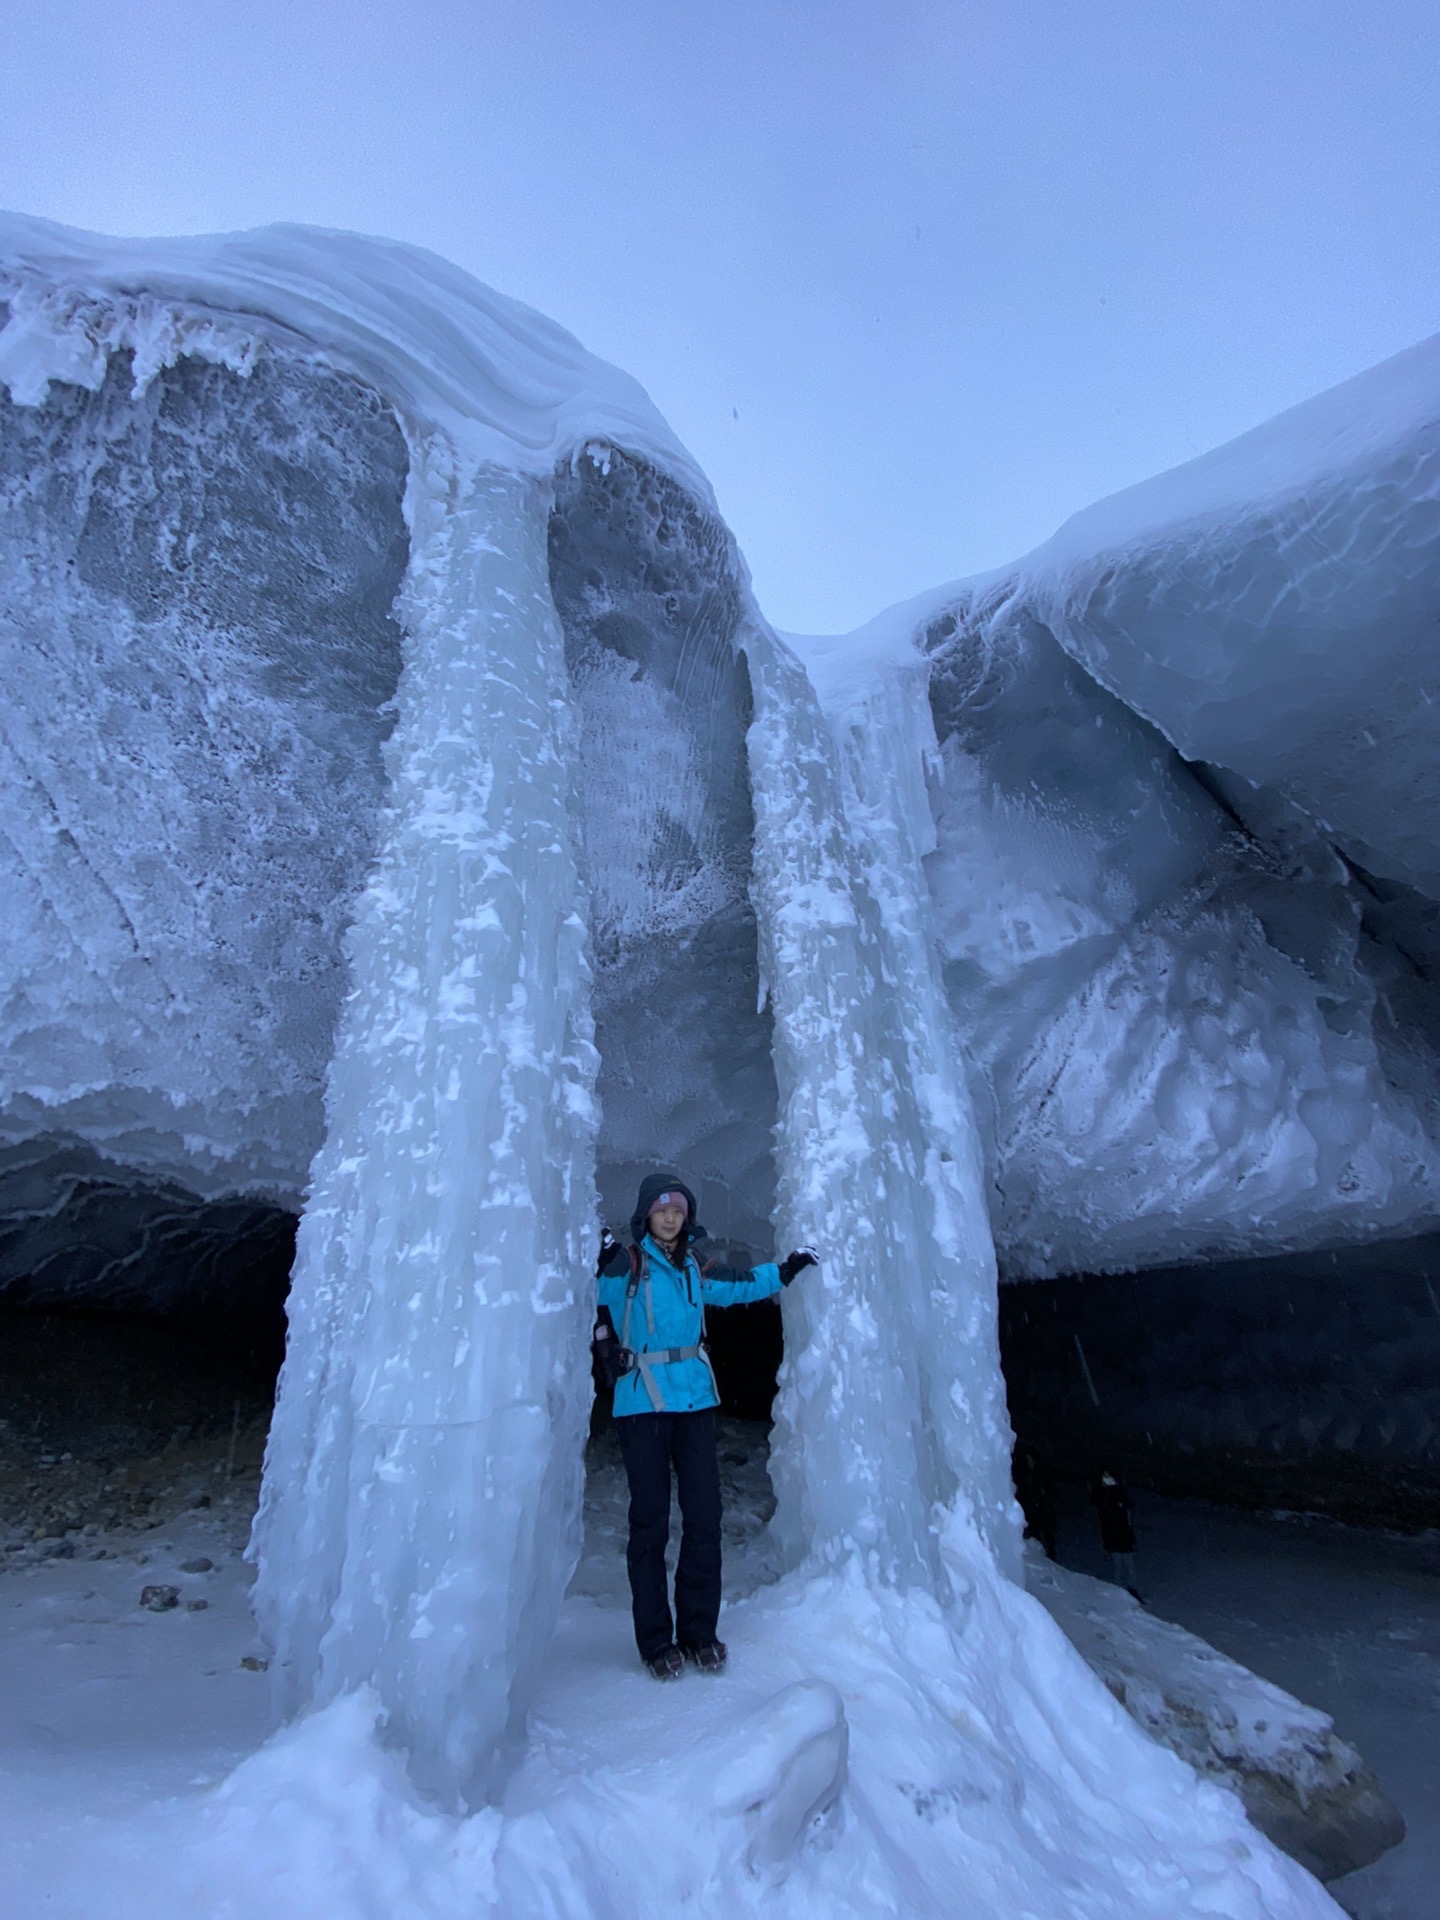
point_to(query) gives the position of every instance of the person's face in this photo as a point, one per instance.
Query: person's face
(666, 1221)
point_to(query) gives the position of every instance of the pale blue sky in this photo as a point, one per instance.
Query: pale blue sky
(914, 281)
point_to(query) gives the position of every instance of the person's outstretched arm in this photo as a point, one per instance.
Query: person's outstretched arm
(733, 1286)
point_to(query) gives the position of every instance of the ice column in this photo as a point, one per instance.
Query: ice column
(420, 1511)
(891, 1405)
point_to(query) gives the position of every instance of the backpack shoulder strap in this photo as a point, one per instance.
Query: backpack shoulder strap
(639, 1270)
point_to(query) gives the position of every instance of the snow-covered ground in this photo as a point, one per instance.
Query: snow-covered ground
(134, 1779)
(122, 1729)
(1346, 1619)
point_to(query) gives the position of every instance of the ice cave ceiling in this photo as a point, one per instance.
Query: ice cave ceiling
(1184, 800)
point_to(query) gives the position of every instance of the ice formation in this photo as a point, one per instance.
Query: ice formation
(437, 1310)
(1183, 797)
(620, 885)
(1190, 1044)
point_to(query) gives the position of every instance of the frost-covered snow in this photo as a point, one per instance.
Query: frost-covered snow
(121, 1731)
(1270, 607)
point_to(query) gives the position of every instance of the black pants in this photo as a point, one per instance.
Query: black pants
(650, 1443)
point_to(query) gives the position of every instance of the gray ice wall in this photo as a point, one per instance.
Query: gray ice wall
(198, 647)
(647, 587)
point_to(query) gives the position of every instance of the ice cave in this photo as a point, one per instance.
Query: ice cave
(412, 833)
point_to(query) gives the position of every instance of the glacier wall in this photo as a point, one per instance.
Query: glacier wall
(196, 579)
(651, 596)
(1188, 1043)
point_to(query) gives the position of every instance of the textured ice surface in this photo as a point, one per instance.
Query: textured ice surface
(420, 1513)
(1188, 1044)
(198, 651)
(891, 1407)
(647, 584)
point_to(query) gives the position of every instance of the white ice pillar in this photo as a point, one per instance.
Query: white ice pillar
(892, 1405)
(419, 1517)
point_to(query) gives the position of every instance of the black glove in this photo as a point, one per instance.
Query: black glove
(797, 1262)
(612, 1360)
(613, 1257)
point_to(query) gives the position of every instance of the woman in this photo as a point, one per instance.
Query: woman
(650, 1339)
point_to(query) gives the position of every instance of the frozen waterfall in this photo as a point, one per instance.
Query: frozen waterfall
(892, 1406)
(424, 1462)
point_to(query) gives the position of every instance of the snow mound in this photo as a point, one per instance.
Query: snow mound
(867, 1752)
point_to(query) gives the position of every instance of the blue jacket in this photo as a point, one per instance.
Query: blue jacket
(677, 1301)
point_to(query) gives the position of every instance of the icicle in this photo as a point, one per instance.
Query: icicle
(420, 1512)
(891, 1405)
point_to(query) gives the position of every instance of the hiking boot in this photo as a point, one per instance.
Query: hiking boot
(709, 1659)
(667, 1664)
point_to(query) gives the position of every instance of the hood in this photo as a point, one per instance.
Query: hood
(653, 1185)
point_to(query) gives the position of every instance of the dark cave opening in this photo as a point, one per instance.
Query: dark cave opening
(123, 1405)
(116, 1252)
(1307, 1383)
(117, 1421)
